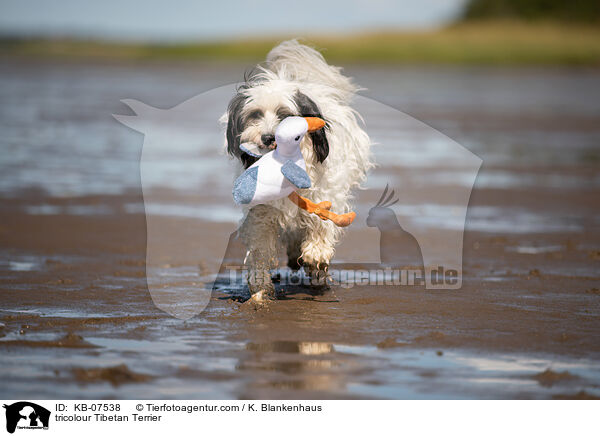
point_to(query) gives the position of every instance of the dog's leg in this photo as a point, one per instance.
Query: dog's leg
(293, 240)
(259, 232)
(317, 251)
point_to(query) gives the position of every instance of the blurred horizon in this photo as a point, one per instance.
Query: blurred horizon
(494, 32)
(191, 21)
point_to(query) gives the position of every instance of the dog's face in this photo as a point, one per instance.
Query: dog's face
(256, 111)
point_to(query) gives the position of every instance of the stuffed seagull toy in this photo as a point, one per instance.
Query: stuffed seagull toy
(280, 172)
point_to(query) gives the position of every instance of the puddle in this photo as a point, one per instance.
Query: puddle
(213, 212)
(460, 374)
(201, 366)
(75, 209)
(535, 250)
(21, 266)
(48, 312)
(488, 219)
(30, 262)
(21, 263)
(155, 347)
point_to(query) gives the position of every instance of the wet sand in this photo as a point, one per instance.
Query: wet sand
(76, 306)
(77, 320)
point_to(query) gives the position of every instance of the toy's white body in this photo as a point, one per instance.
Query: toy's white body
(271, 183)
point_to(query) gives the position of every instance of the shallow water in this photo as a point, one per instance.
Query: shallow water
(74, 242)
(507, 117)
(190, 366)
(60, 139)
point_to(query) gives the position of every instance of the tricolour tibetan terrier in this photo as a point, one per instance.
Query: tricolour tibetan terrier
(296, 80)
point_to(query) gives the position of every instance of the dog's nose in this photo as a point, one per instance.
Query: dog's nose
(267, 139)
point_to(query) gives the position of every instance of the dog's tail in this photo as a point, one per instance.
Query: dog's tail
(294, 61)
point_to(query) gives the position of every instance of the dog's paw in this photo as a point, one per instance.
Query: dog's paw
(260, 300)
(319, 276)
(316, 254)
(262, 296)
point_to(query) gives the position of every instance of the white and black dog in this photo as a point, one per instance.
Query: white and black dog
(296, 80)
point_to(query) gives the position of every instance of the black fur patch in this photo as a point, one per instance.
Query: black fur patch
(308, 108)
(235, 127)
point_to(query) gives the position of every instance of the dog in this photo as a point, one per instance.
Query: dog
(296, 80)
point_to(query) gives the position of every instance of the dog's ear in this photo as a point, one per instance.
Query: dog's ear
(235, 124)
(308, 108)
(235, 127)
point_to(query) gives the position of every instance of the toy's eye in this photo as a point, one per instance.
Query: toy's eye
(296, 138)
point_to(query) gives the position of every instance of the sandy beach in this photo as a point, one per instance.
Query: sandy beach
(77, 320)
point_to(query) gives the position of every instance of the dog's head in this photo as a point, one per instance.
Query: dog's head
(257, 109)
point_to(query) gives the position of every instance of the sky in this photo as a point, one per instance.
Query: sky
(192, 20)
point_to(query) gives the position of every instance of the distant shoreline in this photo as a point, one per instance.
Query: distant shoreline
(478, 43)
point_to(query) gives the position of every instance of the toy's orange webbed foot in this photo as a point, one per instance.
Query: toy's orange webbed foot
(322, 210)
(324, 205)
(343, 220)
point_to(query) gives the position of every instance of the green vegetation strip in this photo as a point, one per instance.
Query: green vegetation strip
(497, 43)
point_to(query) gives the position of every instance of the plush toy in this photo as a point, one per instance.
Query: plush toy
(280, 172)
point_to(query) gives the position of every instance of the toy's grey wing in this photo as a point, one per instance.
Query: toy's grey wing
(296, 175)
(244, 186)
(252, 149)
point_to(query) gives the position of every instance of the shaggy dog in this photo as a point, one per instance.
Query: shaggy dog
(296, 80)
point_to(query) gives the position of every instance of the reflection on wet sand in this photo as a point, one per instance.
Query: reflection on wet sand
(353, 371)
(304, 348)
(289, 365)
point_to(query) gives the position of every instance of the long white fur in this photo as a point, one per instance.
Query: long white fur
(290, 67)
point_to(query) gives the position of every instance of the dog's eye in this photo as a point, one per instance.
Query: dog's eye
(296, 138)
(283, 113)
(254, 115)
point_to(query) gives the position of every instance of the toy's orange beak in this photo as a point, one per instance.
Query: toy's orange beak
(314, 123)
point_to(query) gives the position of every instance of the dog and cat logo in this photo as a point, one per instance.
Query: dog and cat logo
(26, 415)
